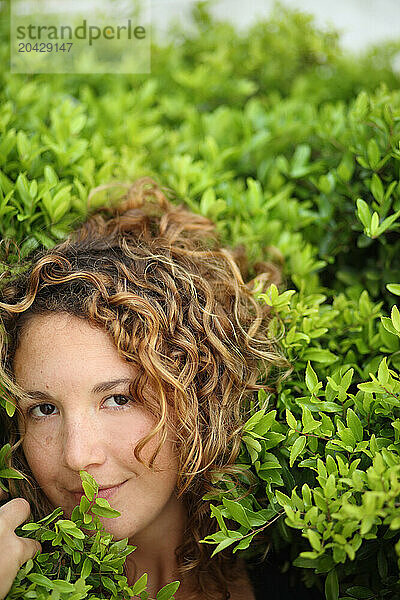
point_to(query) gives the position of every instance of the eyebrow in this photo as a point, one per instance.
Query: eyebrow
(104, 386)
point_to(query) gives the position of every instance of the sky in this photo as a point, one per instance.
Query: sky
(362, 22)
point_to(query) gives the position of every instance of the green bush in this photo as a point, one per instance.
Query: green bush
(83, 562)
(293, 148)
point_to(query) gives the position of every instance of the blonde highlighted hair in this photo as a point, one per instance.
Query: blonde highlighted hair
(154, 276)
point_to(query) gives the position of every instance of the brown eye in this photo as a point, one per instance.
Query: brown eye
(119, 399)
(46, 409)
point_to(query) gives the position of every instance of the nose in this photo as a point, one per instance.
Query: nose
(83, 444)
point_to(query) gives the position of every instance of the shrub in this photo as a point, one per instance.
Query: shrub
(82, 563)
(302, 170)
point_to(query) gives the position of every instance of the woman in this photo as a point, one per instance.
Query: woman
(132, 349)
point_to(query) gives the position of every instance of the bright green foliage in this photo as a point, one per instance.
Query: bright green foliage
(293, 149)
(328, 454)
(74, 564)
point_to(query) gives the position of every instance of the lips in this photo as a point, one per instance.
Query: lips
(104, 492)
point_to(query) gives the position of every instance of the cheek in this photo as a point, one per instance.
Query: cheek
(41, 455)
(166, 459)
(167, 455)
(129, 432)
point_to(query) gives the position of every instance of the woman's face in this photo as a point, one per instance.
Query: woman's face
(81, 417)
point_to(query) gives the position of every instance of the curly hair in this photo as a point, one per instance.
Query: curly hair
(154, 276)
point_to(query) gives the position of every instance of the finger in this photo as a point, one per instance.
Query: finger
(29, 549)
(15, 512)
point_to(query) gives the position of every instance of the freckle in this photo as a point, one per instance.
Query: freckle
(48, 439)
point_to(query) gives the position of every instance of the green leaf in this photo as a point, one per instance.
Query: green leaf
(271, 295)
(244, 543)
(382, 562)
(283, 499)
(386, 223)
(332, 586)
(309, 423)
(254, 419)
(84, 504)
(4, 453)
(102, 502)
(89, 490)
(252, 442)
(23, 144)
(383, 372)
(8, 405)
(377, 188)
(23, 190)
(168, 590)
(87, 518)
(394, 288)
(85, 476)
(370, 386)
(388, 325)
(311, 377)
(264, 424)
(346, 168)
(52, 516)
(50, 175)
(30, 527)
(237, 512)
(297, 449)
(40, 580)
(109, 584)
(373, 152)
(66, 524)
(222, 545)
(140, 585)
(63, 586)
(395, 316)
(76, 533)
(86, 568)
(374, 224)
(320, 355)
(361, 592)
(346, 379)
(314, 539)
(290, 419)
(215, 512)
(354, 423)
(10, 474)
(105, 512)
(363, 213)
(360, 110)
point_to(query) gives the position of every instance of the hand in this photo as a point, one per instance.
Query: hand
(14, 551)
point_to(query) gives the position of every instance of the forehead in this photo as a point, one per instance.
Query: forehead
(60, 347)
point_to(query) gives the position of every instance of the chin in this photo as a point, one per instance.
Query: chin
(116, 526)
(118, 531)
